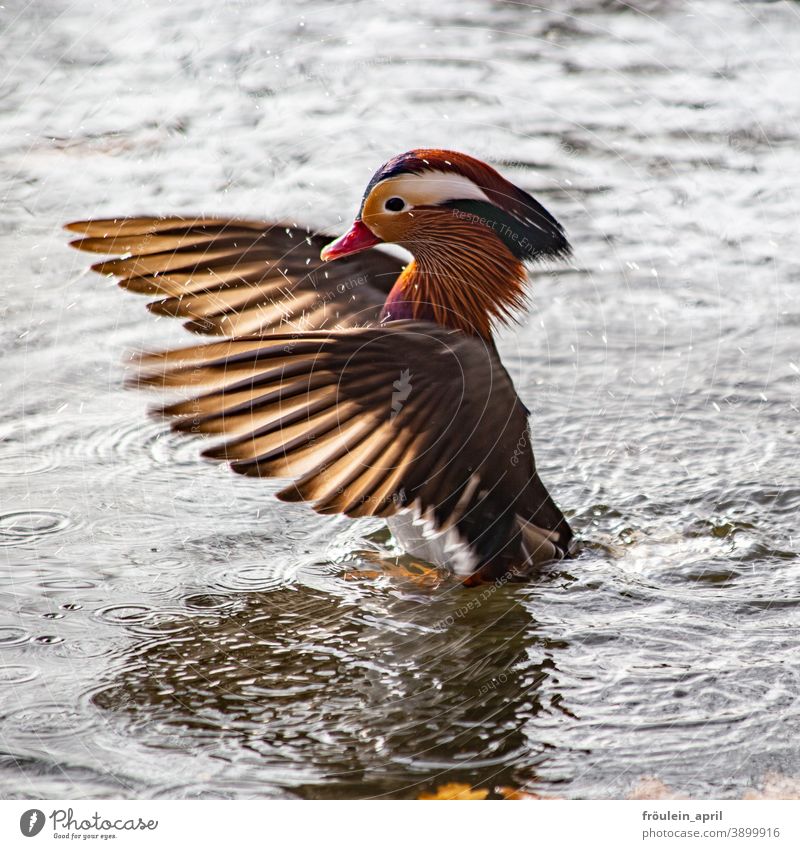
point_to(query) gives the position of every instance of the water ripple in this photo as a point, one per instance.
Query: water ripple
(26, 464)
(46, 721)
(265, 651)
(27, 526)
(12, 636)
(13, 675)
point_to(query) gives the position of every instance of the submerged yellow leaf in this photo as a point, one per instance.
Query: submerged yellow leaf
(455, 791)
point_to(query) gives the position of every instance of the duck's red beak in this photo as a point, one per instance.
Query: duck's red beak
(358, 238)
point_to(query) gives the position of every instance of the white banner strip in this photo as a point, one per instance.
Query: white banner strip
(389, 824)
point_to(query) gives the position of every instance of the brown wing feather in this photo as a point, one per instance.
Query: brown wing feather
(324, 408)
(232, 277)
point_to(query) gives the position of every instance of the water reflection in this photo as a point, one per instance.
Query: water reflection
(189, 636)
(353, 697)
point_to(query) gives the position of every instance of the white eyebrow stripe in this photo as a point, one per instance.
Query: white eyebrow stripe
(433, 187)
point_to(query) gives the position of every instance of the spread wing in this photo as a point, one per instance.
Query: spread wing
(366, 421)
(232, 277)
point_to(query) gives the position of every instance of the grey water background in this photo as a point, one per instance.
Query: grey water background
(167, 629)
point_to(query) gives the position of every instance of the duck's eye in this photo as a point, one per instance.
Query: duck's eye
(395, 204)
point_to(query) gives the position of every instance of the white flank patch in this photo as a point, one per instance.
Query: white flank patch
(418, 537)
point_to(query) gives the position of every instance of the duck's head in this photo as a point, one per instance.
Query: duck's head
(470, 231)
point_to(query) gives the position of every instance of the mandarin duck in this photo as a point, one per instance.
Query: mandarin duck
(373, 384)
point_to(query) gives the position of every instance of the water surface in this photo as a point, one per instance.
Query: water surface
(167, 629)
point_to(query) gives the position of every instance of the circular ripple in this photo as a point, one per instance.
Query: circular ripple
(85, 648)
(11, 636)
(164, 622)
(133, 449)
(224, 789)
(207, 601)
(161, 590)
(146, 527)
(169, 563)
(123, 614)
(25, 464)
(108, 443)
(252, 578)
(49, 721)
(20, 526)
(17, 674)
(67, 584)
(21, 573)
(173, 450)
